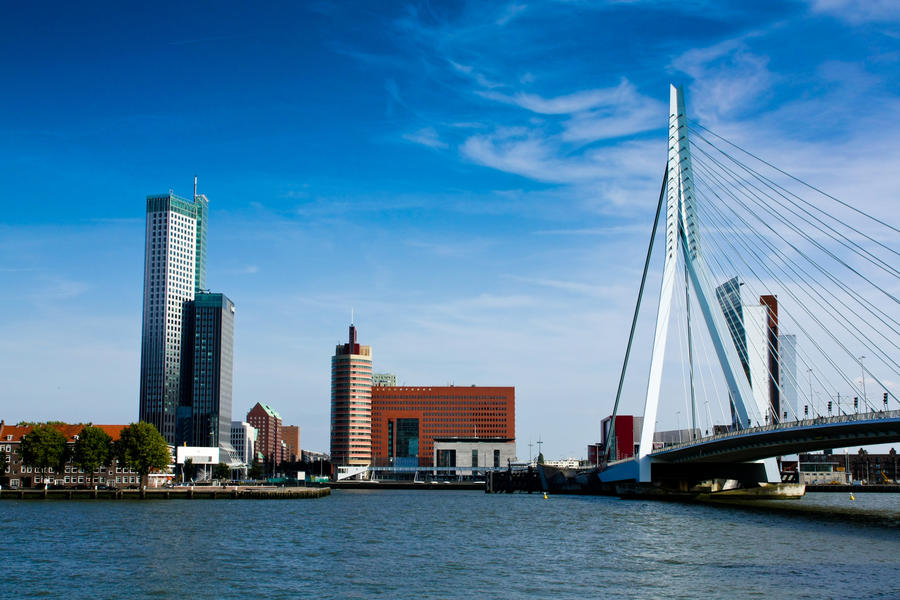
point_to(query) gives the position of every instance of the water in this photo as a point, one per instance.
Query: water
(448, 544)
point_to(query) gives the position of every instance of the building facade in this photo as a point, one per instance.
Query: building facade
(407, 419)
(351, 403)
(267, 423)
(761, 326)
(787, 373)
(382, 379)
(290, 434)
(209, 337)
(174, 270)
(15, 474)
(474, 453)
(243, 440)
(627, 434)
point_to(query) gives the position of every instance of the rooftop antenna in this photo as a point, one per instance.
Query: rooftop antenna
(351, 315)
(195, 184)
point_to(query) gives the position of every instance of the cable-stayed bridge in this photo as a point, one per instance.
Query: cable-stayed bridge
(782, 305)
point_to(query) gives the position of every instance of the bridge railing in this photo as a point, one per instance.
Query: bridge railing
(796, 424)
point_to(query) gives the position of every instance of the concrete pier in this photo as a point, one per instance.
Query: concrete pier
(183, 493)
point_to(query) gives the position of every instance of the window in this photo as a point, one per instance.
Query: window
(475, 458)
(496, 458)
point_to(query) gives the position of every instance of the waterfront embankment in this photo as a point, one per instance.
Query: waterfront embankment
(184, 493)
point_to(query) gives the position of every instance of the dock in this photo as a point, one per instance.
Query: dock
(350, 484)
(177, 493)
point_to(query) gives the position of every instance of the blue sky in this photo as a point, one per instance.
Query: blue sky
(476, 180)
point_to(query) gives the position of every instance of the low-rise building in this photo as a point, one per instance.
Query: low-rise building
(16, 474)
(474, 453)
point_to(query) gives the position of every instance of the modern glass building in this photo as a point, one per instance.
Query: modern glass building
(729, 297)
(174, 270)
(351, 403)
(208, 364)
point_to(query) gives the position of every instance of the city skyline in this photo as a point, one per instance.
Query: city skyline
(476, 180)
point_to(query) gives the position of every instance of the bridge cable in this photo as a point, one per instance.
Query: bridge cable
(826, 309)
(742, 352)
(878, 352)
(787, 194)
(826, 251)
(872, 309)
(800, 181)
(828, 230)
(637, 308)
(806, 361)
(808, 312)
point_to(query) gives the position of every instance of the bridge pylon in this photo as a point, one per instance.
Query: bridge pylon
(683, 241)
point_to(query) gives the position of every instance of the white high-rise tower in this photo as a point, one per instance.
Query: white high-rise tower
(174, 270)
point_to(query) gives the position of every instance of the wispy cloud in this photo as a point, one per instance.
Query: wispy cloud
(427, 136)
(452, 249)
(727, 77)
(858, 11)
(574, 287)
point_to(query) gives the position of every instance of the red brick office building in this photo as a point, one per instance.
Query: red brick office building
(406, 419)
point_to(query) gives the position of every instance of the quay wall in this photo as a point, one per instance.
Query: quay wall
(183, 493)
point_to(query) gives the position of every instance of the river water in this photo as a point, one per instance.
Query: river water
(451, 544)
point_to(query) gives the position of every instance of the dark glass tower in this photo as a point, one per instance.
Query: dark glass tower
(205, 412)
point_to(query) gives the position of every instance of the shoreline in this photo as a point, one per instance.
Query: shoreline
(181, 493)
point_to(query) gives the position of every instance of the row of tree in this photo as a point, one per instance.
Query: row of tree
(140, 448)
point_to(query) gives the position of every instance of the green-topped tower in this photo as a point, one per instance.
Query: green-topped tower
(174, 272)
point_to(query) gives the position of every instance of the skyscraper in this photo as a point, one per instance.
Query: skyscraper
(208, 325)
(351, 403)
(787, 372)
(729, 297)
(761, 326)
(174, 270)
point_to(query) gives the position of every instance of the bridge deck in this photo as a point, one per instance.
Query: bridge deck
(788, 438)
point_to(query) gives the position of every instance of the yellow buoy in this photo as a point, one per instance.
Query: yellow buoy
(545, 496)
(852, 497)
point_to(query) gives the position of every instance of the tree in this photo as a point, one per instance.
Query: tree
(93, 449)
(142, 449)
(44, 447)
(256, 470)
(188, 469)
(540, 458)
(221, 471)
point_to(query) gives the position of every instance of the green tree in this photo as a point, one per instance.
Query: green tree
(3, 463)
(540, 458)
(93, 449)
(256, 470)
(222, 472)
(142, 449)
(188, 469)
(45, 446)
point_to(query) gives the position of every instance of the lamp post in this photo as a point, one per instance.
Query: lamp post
(809, 375)
(863, 369)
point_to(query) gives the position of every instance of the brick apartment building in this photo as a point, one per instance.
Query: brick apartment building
(15, 474)
(268, 426)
